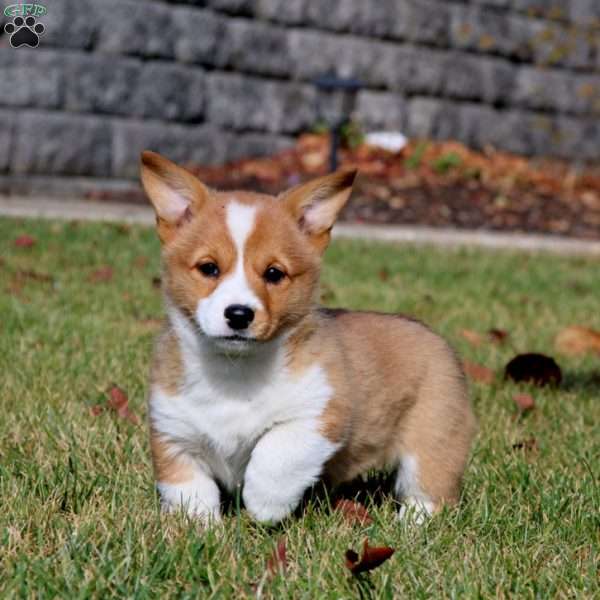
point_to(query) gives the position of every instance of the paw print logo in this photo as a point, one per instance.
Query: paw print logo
(24, 32)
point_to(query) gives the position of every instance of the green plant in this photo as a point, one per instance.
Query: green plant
(446, 162)
(416, 157)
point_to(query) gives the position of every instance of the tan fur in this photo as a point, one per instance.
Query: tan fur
(398, 387)
(168, 468)
(167, 367)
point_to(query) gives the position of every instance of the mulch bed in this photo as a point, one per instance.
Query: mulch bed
(438, 184)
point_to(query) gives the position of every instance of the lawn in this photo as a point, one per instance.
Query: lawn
(80, 516)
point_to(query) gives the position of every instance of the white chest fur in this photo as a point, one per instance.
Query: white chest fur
(227, 404)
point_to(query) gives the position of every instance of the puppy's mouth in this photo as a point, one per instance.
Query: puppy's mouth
(234, 344)
(235, 338)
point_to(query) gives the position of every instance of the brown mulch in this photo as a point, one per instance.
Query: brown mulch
(438, 184)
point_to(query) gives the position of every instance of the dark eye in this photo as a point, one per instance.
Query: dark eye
(273, 275)
(209, 269)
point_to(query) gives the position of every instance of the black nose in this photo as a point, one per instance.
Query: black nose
(239, 316)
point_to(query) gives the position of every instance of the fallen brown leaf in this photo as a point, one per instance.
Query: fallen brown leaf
(383, 274)
(529, 445)
(472, 337)
(277, 562)
(498, 336)
(96, 410)
(371, 558)
(354, 512)
(577, 340)
(478, 372)
(524, 402)
(119, 402)
(25, 241)
(531, 367)
(101, 275)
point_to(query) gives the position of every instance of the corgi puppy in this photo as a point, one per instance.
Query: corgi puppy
(254, 385)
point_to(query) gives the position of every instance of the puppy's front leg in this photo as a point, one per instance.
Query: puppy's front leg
(183, 484)
(287, 460)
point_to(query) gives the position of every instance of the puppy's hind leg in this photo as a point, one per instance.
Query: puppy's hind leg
(417, 505)
(434, 445)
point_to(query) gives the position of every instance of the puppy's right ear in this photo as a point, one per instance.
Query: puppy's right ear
(174, 192)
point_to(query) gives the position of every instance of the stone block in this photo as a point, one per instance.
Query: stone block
(426, 21)
(100, 84)
(61, 144)
(31, 77)
(471, 77)
(197, 35)
(241, 102)
(185, 144)
(70, 24)
(290, 12)
(381, 110)
(170, 92)
(341, 55)
(255, 47)
(585, 12)
(544, 9)
(556, 44)
(133, 27)
(416, 71)
(233, 7)
(253, 145)
(543, 89)
(8, 121)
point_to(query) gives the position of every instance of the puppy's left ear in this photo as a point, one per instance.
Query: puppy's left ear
(315, 205)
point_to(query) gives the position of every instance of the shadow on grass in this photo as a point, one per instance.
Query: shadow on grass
(580, 381)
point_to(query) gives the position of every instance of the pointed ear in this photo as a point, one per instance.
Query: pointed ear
(315, 205)
(174, 192)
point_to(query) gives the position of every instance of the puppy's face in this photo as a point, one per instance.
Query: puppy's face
(242, 267)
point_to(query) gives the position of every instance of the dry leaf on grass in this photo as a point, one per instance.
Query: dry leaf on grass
(531, 367)
(528, 445)
(119, 402)
(577, 340)
(354, 512)
(383, 274)
(277, 562)
(478, 372)
(472, 337)
(371, 558)
(101, 275)
(25, 241)
(96, 410)
(498, 336)
(524, 402)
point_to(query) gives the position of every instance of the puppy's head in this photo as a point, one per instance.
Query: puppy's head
(242, 267)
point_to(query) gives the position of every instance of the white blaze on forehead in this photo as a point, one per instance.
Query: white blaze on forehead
(240, 221)
(234, 288)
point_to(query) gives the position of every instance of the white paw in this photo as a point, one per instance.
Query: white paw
(191, 499)
(267, 506)
(415, 510)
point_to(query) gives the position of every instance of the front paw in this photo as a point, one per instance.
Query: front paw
(266, 504)
(188, 499)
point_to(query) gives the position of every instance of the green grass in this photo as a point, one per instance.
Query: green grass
(80, 517)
